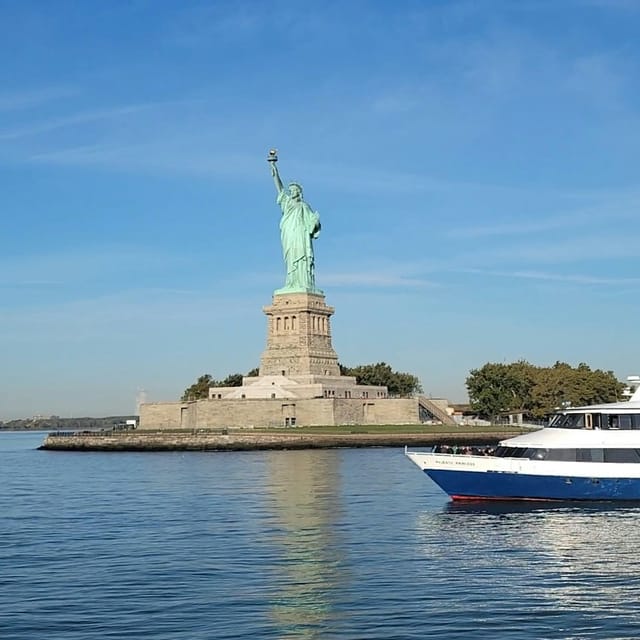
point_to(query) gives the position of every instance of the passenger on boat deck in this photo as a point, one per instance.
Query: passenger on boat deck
(469, 451)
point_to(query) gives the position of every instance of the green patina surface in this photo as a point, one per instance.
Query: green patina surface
(299, 226)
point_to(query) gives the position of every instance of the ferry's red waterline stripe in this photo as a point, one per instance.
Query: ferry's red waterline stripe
(504, 499)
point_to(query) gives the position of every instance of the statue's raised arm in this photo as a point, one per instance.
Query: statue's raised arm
(272, 159)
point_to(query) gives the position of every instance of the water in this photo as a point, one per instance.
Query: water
(349, 544)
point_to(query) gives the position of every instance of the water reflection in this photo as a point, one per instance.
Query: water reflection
(509, 508)
(304, 487)
(577, 557)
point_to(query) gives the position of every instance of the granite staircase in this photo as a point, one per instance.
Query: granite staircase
(429, 410)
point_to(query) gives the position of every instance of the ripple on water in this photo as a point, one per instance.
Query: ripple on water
(303, 544)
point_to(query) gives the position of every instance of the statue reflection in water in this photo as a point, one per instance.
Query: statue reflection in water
(304, 487)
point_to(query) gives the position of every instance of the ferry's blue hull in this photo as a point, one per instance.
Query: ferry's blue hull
(469, 485)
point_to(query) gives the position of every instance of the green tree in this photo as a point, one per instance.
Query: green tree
(497, 388)
(562, 384)
(199, 389)
(232, 380)
(381, 374)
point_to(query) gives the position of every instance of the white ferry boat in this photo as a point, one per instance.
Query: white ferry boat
(585, 453)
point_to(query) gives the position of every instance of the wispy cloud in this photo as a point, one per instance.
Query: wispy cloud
(82, 117)
(624, 5)
(619, 206)
(163, 157)
(201, 26)
(556, 277)
(373, 279)
(128, 312)
(515, 228)
(12, 101)
(29, 284)
(81, 265)
(577, 248)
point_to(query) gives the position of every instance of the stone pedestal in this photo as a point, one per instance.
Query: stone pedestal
(299, 337)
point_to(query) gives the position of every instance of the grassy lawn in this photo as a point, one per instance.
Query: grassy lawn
(347, 430)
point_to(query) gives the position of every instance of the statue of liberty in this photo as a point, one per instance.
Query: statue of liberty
(299, 226)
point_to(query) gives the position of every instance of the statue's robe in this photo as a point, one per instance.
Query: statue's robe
(299, 225)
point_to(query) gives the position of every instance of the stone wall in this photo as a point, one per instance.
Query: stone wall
(162, 415)
(202, 414)
(263, 413)
(239, 413)
(392, 411)
(248, 440)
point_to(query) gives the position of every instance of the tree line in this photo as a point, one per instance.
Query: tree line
(380, 374)
(520, 387)
(495, 389)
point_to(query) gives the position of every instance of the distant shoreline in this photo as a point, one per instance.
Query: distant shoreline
(66, 424)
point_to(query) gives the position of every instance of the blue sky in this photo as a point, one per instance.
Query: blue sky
(474, 164)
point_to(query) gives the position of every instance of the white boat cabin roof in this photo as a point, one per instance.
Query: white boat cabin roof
(551, 438)
(628, 406)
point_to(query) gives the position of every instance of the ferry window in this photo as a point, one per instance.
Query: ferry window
(621, 455)
(508, 452)
(571, 421)
(635, 419)
(540, 454)
(556, 421)
(575, 421)
(613, 422)
(625, 421)
(590, 455)
(562, 455)
(596, 420)
(514, 452)
(583, 455)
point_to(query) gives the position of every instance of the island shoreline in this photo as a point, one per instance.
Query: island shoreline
(243, 441)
